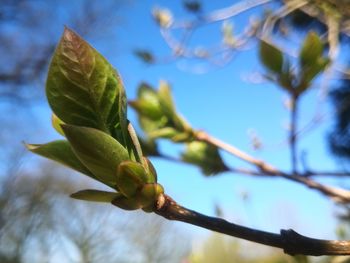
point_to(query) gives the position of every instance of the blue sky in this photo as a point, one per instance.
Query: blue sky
(226, 106)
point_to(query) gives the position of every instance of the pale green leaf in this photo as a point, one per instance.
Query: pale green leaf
(130, 177)
(95, 195)
(166, 100)
(98, 151)
(60, 151)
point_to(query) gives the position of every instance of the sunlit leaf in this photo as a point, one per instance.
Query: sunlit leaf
(95, 195)
(60, 151)
(56, 124)
(83, 89)
(98, 151)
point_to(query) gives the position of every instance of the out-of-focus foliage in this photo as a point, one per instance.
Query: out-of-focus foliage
(311, 63)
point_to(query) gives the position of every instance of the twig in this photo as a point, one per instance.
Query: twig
(290, 241)
(203, 136)
(293, 133)
(338, 194)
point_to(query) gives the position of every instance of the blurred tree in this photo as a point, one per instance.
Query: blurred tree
(40, 223)
(218, 248)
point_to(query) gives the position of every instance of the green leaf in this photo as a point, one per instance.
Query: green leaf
(60, 151)
(98, 151)
(310, 72)
(130, 177)
(147, 103)
(126, 203)
(205, 156)
(56, 124)
(166, 100)
(149, 194)
(166, 132)
(271, 57)
(95, 195)
(311, 50)
(152, 173)
(83, 89)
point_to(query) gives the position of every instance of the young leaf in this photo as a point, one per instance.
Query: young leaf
(60, 151)
(271, 57)
(95, 195)
(148, 194)
(126, 203)
(205, 156)
(98, 151)
(130, 177)
(166, 100)
(311, 50)
(83, 89)
(147, 103)
(166, 132)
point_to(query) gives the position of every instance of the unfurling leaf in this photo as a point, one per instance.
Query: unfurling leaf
(98, 151)
(60, 151)
(89, 108)
(271, 57)
(131, 176)
(148, 102)
(158, 116)
(205, 156)
(83, 89)
(95, 195)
